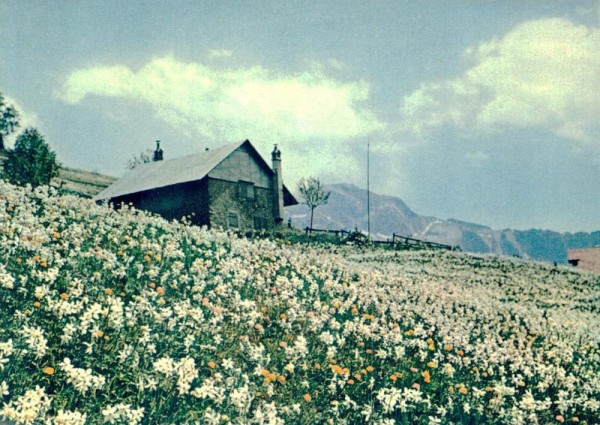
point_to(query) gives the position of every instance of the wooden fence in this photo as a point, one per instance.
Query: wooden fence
(396, 240)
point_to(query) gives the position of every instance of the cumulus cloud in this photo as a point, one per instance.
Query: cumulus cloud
(266, 107)
(543, 73)
(220, 53)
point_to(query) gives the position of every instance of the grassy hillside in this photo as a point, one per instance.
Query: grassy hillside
(121, 317)
(74, 181)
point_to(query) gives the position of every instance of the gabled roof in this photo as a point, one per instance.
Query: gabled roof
(180, 170)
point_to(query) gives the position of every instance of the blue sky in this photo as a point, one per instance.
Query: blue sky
(481, 111)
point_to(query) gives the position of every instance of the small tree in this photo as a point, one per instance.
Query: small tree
(9, 120)
(313, 193)
(144, 158)
(31, 161)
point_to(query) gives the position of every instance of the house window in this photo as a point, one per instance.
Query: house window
(247, 190)
(232, 220)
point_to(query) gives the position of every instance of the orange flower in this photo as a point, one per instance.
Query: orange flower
(281, 378)
(37, 304)
(448, 347)
(307, 397)
(317, 366)
(282, 316)
(350, 381)
(48, 370)
(393, 377)
(370, 368)
(108, 291)
(160, 291)
(426, 376)
(463, 390)
(212, 365)
(98, 334)
(147, 258)
(64, 296)
(264, 372)
(432, 365)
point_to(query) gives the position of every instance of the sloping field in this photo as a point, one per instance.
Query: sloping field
(124, 318)
(74, 181)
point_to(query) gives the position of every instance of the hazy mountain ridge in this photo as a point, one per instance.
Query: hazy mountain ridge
(347, 209)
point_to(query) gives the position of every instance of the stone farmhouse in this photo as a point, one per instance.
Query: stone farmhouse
(585, 259)
(230, 187)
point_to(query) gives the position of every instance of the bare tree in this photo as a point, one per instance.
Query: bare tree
(144, 158)
(313, 193)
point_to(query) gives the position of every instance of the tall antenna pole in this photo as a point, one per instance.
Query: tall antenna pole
(368, 190)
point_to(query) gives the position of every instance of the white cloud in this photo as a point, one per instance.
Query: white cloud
(220, 53)
(314, 117)
(543, 73)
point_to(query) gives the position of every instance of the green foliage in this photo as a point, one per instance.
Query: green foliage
(31, 161)
(9, 120)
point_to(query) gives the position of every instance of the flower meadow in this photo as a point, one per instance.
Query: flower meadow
(121, 317)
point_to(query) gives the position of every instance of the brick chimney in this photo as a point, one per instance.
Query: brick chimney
(277, 186)
(158, 153)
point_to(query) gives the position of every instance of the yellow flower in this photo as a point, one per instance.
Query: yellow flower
(370, 368)
(48, 370)
(281, 378)
(37, 304)
(426, 376)
(463, 390)
(432, 365)
(337, 369)
(307, 397)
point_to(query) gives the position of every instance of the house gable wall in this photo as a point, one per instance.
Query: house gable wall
(241, 165)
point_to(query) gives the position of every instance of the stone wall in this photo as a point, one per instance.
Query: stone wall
(229, 198)
(586, 259)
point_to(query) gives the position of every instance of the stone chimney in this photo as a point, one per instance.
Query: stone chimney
(277, 186)
(158, 153)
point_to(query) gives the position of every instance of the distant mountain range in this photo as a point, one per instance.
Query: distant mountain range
(347, 209)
